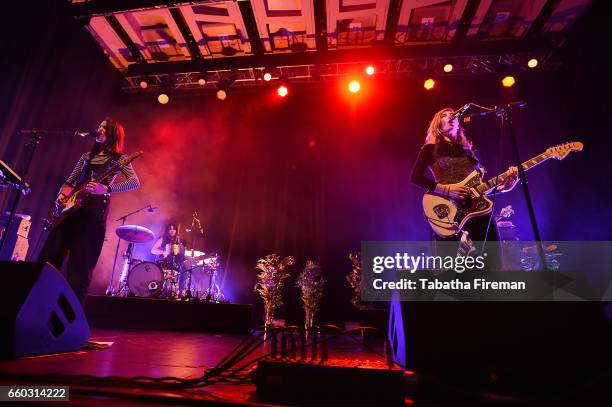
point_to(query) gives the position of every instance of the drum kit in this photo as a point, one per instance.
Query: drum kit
(163, 278)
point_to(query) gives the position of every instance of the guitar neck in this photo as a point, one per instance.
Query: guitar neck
(500, 179)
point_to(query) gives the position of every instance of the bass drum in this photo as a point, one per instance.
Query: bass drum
(146, 279)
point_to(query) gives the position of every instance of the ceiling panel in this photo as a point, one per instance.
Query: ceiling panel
(285, 25)
(217, 28)
(355, 23)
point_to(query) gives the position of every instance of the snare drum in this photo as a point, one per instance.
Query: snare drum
(146, 279)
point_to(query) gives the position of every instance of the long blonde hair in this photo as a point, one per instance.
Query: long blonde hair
(435, 133)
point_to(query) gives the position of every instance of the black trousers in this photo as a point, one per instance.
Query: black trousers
(480, 230)
(80, 237)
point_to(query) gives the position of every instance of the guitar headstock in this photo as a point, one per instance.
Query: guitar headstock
(562, 150)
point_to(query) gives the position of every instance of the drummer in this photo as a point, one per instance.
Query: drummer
(170, 249)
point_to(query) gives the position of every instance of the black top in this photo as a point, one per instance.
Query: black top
(448, 162)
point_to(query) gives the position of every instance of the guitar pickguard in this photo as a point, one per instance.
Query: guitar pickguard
(442, 211)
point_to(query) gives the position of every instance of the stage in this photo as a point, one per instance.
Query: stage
(151, 313)
(246, 202)
(157, 354)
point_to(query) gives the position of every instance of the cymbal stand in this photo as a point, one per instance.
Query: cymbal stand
(127, 262)
(110, 290)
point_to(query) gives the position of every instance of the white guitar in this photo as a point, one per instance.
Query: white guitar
(447, 216)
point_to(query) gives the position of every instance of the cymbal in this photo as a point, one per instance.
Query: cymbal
(135, 233)
(193, 253)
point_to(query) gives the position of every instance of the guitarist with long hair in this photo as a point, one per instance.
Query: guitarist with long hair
(81, 234)
(449, 157)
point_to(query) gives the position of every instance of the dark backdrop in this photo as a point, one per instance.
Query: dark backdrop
(314, 174)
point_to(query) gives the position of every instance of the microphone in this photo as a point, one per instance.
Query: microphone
(461, 111)
(86, 133)
(152, 208)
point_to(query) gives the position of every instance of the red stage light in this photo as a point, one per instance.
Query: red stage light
(429, 84)
(143, 84)
(282, 91)
(354, 86)
(508, 81)
(448, 68)
(267, 77)
(370, 70)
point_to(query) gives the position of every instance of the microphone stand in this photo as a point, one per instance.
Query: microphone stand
(32, 143)
(110, 291)
(505, 112)
(23, 189)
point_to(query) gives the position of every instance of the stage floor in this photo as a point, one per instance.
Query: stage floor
(159, 354)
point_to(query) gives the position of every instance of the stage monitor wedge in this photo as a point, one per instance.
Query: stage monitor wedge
(39, 313)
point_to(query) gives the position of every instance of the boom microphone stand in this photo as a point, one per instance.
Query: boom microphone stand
(505, 112)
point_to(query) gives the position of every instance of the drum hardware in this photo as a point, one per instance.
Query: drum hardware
(110, 290)
(132, 234)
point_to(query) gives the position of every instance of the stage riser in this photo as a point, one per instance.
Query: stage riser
(164, 315)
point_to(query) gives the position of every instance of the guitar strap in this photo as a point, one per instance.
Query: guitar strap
(90, 170)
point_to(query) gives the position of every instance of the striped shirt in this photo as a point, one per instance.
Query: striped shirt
(130, 183)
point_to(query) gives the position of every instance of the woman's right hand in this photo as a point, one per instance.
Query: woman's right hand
(457, 191)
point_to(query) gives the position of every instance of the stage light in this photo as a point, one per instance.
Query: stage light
(267, 74)
(163, 98)
(508, 81)
(221, 94)
(448, 68)
(532, 63)
(354, 86)
(429, 84)
(282, 91)
(202, 77)
(143, 84)
(370, 70)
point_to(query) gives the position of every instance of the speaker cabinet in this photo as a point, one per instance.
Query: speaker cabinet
(39, 312)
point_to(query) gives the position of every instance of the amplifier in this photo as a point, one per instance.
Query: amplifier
(337, 382)
(16, 244)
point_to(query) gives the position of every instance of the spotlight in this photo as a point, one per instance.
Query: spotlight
(532, 63)
(143, 84)
(282, 91)
(202, 76)
(448, 68)
(267, 75)
(354, 86)
(163, 98)
(508, 81)
(429, 84)
(224, 85)
(370, 70)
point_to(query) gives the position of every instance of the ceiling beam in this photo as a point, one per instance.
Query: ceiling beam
(106, 7)
(320, 21)
(343, 56)
(466, 19)
(179, 20)
(250, 24)
(393, 15)
(543, 16)
(125, 38)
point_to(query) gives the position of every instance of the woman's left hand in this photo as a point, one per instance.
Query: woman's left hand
(511, 180)
(96, 188)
